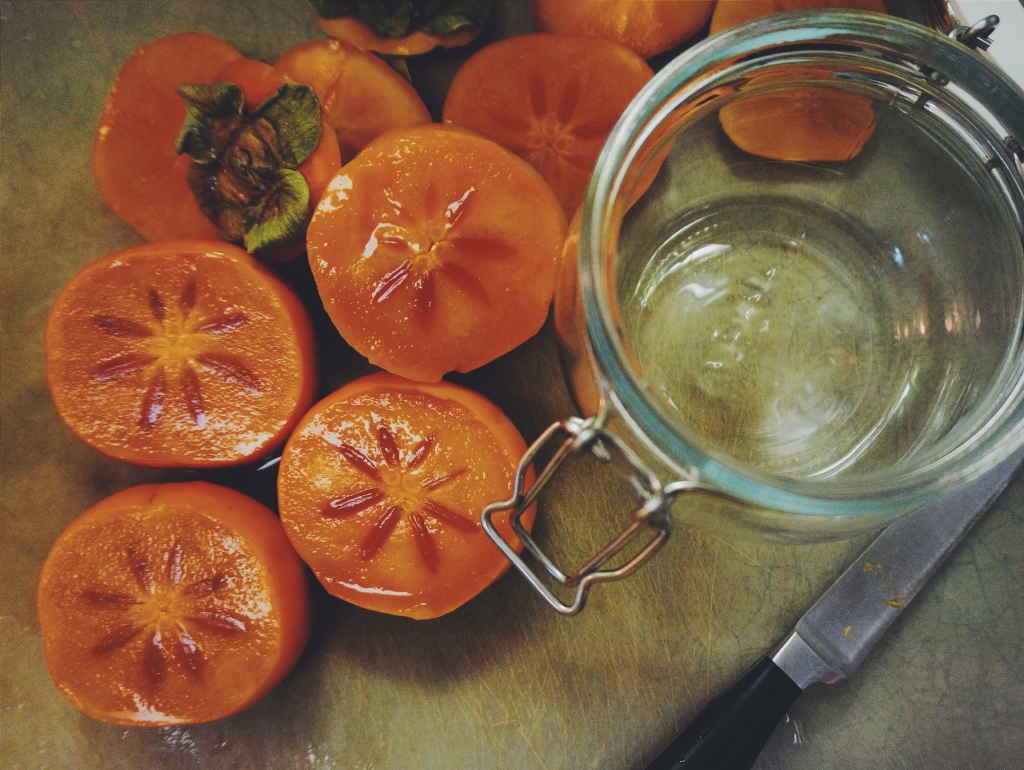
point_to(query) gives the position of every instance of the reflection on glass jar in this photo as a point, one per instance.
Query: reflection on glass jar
(815, 306)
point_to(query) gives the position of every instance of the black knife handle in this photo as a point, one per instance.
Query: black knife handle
(731, 731)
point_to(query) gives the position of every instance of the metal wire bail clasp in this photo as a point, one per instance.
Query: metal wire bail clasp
(652, 515)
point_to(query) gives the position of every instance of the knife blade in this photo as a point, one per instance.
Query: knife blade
(836, 634)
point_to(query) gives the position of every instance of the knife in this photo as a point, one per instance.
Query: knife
(837, 632)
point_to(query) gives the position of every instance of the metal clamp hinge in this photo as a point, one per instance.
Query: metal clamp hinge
(978, 35)
(652, 517)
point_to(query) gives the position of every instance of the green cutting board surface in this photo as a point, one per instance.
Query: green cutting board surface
(502, 682)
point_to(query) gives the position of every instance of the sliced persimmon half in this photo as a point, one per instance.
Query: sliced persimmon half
(381, 488)
(360, 95)
(808, 122)
(550, 99)
(171, 604)
(189, 353)
(435, 250)
(647, 26)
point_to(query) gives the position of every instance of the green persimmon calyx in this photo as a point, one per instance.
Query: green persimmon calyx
(397, 18)
(243, 171)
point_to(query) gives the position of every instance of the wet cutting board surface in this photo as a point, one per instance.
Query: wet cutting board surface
(502, 682)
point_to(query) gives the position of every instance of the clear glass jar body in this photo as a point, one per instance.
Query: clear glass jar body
(800, 273)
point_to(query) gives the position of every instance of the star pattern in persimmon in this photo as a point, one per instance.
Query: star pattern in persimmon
(427, 244)
(179, 340)
(554, 131)
(395, 484)
(162, 615)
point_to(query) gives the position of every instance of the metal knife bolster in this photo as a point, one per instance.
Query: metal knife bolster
(832, 639)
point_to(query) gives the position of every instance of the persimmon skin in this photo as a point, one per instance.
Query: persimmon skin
(647, 26)
(435, 250)
(382, 447)
(249, 396)
(351, 30)
(550, 99)
(361, 96)
(729, 13)
(258, 82)
(173, 536)
(137, 171)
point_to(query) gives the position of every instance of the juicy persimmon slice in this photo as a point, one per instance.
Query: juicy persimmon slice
(139, 175)
(170, 604)
(550, 99)
(381, 488)
(647, 26)
(353, 31)
(729, 13)
(807, 123)
(360, 95)
(180, 354)
(803, 123)
(435, 250)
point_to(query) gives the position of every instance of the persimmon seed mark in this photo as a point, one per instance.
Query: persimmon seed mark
(391, 281)
(119, 637)
(122, 366)
(121, 327)
(221, 622)
(380, 531)
(348, 505)
(193, 395)
(230, 369)
(225, 323)
(189, 651)
(187, 302)
(424, 541)
(154, 659)
(153, 400)
(359, 461)
(99, 598)
(420, 452)
(388, 445)
(156, 305)
(436, 482)
(140, 570)
(207, 586)
(443, 513)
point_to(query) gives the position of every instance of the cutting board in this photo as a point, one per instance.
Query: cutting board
(502, 682)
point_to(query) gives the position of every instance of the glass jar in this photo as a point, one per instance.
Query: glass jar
(798, 299)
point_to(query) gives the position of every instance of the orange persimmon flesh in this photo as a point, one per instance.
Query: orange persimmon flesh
(350, 29)
(812, 122)
(180, 354)
(435, 250)
(381, 488)
(550, 99)
(729, 13)
(172, 604)
(139, 175)
(360, 95)
(647, 26)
